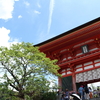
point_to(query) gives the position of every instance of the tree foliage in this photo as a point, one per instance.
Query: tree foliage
(49, 96)
(25, 70)
(5, 92)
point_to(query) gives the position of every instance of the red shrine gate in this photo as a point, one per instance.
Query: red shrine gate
(78, 54)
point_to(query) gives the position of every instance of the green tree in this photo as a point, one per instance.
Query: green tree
(5, 92)
(26, 69)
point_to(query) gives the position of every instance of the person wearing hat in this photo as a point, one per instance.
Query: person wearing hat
(81, 92)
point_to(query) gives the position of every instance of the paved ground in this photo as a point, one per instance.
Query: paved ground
(95, 99)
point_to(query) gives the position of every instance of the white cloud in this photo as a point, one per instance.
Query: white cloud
(16, 0)
(19, 16)
(5, 39)
(37, 12)
(6, 9)
(38, 5)
(26, 3)
(50, 15)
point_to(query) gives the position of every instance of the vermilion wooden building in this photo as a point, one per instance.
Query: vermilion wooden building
(78, 54)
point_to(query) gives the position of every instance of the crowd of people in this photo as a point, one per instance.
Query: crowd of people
(84, 93)
(68, 95)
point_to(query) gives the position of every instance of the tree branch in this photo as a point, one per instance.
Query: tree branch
(11, 72)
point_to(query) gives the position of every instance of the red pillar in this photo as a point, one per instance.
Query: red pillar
(74, 82)
(60, 83)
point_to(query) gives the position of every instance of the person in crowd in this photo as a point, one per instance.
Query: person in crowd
(90, 92)
(81, 92)
(57, 95)
(95, 95)
(98, 92)
(67, 94)
(61, 95)
(86, 90)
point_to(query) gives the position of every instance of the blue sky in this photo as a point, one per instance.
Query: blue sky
(35, 21)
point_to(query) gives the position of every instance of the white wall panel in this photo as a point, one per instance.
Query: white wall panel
(69, 72)
(94, 73)
(80, 77)
(98, 64)
(96, 60)
(63, 70)
(79, 66)
(63, 74)
(77, 78)
(88, 63)
(88, 67)
(88, 75)
(98, 73)
(79, 69)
